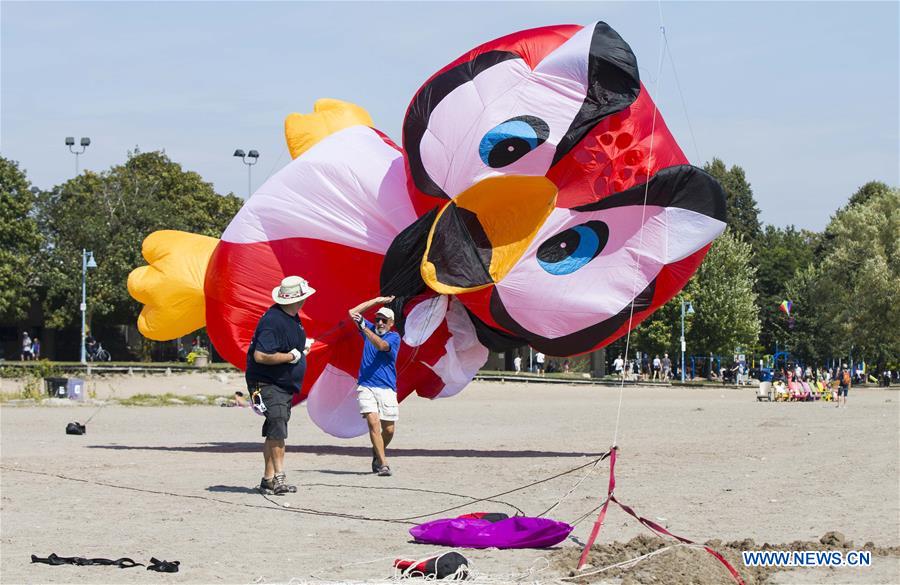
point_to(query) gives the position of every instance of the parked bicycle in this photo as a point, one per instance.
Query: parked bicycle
(99, 354)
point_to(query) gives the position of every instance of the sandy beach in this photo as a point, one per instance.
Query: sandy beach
(176, 482)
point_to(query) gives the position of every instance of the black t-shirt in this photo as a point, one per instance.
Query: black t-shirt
(277, 332)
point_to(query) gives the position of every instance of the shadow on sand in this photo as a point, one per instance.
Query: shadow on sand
(232, 489)
(349, 451)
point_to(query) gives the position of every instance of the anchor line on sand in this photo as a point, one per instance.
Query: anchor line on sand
(309, 511)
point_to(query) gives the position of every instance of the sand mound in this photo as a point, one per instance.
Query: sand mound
(682, 565)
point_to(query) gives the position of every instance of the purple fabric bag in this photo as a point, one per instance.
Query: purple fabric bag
(516, 532)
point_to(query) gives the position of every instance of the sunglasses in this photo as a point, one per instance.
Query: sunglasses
(381, 319)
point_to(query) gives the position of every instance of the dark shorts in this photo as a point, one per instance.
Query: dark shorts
(842, 391)
(278, 411)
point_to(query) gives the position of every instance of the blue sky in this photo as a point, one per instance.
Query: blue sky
(803, 96)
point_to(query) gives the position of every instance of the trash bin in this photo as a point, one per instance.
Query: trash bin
(57, 387)
(75, 389)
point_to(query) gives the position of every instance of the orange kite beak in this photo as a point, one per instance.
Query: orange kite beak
(479, 236)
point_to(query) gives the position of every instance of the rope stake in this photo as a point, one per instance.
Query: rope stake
(652, 526)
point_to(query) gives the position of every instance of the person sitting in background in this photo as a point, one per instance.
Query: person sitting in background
(90, 346)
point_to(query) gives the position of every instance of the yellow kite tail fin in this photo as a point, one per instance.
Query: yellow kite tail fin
(302, 131)
(171, 287)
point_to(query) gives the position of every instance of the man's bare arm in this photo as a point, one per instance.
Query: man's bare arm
(378, 342)
(272, 359)
(363, 307)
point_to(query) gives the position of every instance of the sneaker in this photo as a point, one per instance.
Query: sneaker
(266, 486)
(385, 471)
(281, 486)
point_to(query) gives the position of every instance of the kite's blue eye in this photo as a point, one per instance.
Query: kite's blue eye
(508, 142)
(573, 248)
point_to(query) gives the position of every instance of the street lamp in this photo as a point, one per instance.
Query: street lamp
(87, 261)
(254, 157)
(70, 142)
(690, 311)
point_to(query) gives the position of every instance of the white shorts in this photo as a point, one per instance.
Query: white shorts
(380, 400)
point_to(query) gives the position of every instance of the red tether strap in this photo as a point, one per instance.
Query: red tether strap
(596, 529)
(656, 528)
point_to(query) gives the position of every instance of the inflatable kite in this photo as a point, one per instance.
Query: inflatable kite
(537, 196)
(487, 530)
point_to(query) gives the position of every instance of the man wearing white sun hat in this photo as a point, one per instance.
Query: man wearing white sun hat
(276, 364)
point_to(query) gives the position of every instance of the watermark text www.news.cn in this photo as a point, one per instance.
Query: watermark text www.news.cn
(807, 558)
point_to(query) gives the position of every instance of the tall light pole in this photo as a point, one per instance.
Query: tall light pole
(254, 158)
(690, 311)
(70, 142)
(87, 261)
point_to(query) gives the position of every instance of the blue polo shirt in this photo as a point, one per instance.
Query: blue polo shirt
(277, 332)
(378, 369)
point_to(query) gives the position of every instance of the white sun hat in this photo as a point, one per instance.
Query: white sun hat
(293, 289)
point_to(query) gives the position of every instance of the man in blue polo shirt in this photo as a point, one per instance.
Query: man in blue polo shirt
(276, 364)
(377, 382)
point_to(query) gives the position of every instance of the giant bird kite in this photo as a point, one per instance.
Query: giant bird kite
(538, 195)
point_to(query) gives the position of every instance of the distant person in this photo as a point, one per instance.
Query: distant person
(276, 364)
(566, 366)
(377, 381)
(90, 346)
(26, 347)
(517, 363)
(539, 358)
(36, 349)
(844, 383)
(666, 367)
(619, 366)
(657, 367)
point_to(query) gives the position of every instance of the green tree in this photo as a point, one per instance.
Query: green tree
(111, 213)
(661, 331)
(780, 254)
(859, 279)
(724, 299)
(743, 211)
(867, 192)
(810, 338)
(19, 242)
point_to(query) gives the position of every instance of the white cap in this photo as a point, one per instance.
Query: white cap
(386, 312)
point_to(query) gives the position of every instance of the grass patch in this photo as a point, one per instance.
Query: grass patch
(168, 399)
